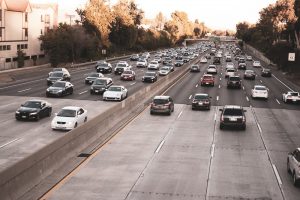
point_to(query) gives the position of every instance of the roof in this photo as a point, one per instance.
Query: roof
(201, 94)
(161, 97)
(71, 108)
(232, 107)
(16, 5)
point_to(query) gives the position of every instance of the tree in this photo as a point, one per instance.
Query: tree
(20, 58)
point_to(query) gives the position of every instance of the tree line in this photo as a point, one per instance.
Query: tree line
(117, 29)
(276, 33)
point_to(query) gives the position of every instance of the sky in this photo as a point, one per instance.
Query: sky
(216, 14)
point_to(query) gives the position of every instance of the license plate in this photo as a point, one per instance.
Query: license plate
(294, 99)
(23, 117)
(206, 83)
(96, 90)
(233, 119)
(200, 103)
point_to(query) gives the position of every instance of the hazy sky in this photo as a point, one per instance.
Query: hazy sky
(216, 14)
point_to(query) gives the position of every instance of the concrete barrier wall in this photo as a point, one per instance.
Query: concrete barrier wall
(257, 53)
(29, 172)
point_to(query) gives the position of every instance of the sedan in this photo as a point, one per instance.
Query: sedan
(57, 76)
(256, 64)
(69, 118)
(128, 75)
(249, 74)
(203, 60)
(212, 69)
(116, 93)
(34, 110)
(100, 85)
(104, 67)
(164, 71)
(92, 77)
(200, 101)
(233, 116)
(153, 65)
(60, 88)
(260, 91)
(266, 72)
(141, 63)
(293, 165)
(195, 68)
(150, 77)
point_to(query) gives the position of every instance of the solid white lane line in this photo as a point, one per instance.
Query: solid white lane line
(83, 92)
(217, 98)
(190, 96)
(160, 146)
(278, 101)
(179, 114)
(212, 152)
(219, 86)
(24, 90)
(247, 98)
(277, 174)
(259, 128)
(243, 88)
(133, 83)
(21, 84)
(215, 117)
(220, 79)
(283, 83)
(197, 85)
(3, 145)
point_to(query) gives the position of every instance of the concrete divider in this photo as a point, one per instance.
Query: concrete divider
(29, 172)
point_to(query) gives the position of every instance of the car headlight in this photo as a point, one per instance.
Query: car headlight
(17, 112)
(69, 123)
(59, 91)
(34, 113)
(48, 89)
(92, 87)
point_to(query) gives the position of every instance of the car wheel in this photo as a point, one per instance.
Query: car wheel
(85, 119)
(49, 112)
(295, 180)
(288, 166)
(75, 125)
(244, 127)
(37, 117)
(151, 113)
(71, 92)
(91, 92)
(221, 126)
(170, 112)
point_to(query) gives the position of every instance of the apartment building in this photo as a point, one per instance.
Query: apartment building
(21, 24)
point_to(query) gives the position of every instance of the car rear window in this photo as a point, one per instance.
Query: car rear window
(234, 78)
(230, 70)
(160, 101)
(233, 112)
(294, 94)
(201, 97)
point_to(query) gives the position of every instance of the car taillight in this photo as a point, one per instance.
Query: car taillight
(244, 119)
(289, 96)
(222, 118)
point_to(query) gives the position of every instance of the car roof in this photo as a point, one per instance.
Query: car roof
(208, 75)
(232, 107)
(261, 86)
(71, 108)
(161, 97)
(35, 100)
(201, 94)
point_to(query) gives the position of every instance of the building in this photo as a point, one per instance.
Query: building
(21, 24)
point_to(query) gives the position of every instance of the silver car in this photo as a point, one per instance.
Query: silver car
(293, 165)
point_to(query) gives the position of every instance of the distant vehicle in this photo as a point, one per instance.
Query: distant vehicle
(121, 67)
(233, 116)
(241, 60)
(59, 89)
(228, 58)
(153, 65)
(128, 75)
(100, 62)
(234, 82)
(237, 57)
(158, 59)
(266, 72)
(230, 72)
(162, 104)
(58, 76)
(256, 64)
(207, 79)
(92, 77)
(115, 93)
(141, 63)
(229, 65)
(242, 66)
(249, 58)
(207, 56)
(69, 118)
(100, 85)
(217, 60)
(149, 77)
(293, 165)
(212, 69)
(249, 74)
(195, 68)
(201, 101)
(104, 68)
(167, 60)
(291, 97)
(33, 110)
(260, 91)
(203, 60)
(134, 57)
(170, 65)
(186, 59)
(164, 71)
(146, 54)
(179, 63)
(63, 70)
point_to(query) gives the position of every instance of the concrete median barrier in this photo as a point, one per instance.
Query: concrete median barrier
(29, 172)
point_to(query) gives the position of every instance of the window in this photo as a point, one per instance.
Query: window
(26, 32)
(25, 46)
(41, 31)
(0, 14)
(26, 17)
(0, 31)
(8, 60)
(42, 18)
(22, 46)
(8, 47)
(1, 48)
(47, 19)
(18, 47)
(4, 48)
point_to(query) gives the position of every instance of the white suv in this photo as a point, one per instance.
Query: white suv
(293, 165)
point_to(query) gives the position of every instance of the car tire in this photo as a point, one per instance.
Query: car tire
(244, 127)
(49, 112)
(151, 113)
(75, 126)
(85, 119)
(91, 92)
(71, 92)
(288, 166)
(221, 126)
(37, 117)
(295, 180)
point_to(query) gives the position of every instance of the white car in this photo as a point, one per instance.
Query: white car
(212, 69)
(260, 91)
(249, 58)
(293, 165)
(153, 65)
(229, 65)
(141, 63)
(203, 60)
(115, 93)
(164, 71)
(230, 72)
(256, 63)
(69, 118)
(293, 97)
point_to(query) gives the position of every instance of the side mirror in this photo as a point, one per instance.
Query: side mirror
(22, 105)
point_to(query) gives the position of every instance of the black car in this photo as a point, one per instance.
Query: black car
(100, 85)
(201, 101)
(104, 68)
(195, 68)
(150, 77)
(34, 110)
(266, 72)
(57, 76)
(134, 57)
(233, 116)
(217, 61)
(234, 82)
(59, 88)
(249, 74)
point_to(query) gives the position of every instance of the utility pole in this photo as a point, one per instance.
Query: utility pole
(70, 16)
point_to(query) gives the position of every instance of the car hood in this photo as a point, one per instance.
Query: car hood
(28, 110)
(112, 94)
(63, 119)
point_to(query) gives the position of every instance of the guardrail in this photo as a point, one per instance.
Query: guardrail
(29, 172)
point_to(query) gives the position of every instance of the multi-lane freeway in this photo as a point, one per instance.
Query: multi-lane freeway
(182, 156)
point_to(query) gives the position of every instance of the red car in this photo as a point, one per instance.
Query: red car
(128, 75)
(207, 79)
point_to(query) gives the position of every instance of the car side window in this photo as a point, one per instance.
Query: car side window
(297, 156)
(80, 111)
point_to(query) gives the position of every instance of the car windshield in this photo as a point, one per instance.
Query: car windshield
(260, 88)
(32, 104)
(100, 82)
(207, 77)
(165, 68)
(115, 89)
(93, 75)
(234, 78)
(267, 70)
(160, 101)
(249, 72)
(149, 74)
(58, 84)
(233, 112)
(67, 113)
(195, 66)
(103, 65)
(121, 65)
(57, 69)
(56, 74)
(153, 63)
(230, 70)
(201, 97)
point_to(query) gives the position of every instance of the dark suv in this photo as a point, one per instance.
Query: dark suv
(217, 61)
(162, 104)
(234, 82)
(233, 116)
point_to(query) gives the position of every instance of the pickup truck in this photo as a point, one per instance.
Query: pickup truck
(293, 97)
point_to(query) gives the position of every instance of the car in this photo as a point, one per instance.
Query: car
(165, 70)
(266, 72)
(162, 104)
(201, 101)
(92, 77)
(34, 110)
(134, 57)
(228, 58)
(195, 68)
(158, 59)
(100, 85)
(186, 59)
(146, 55)
(249, 58)
(291, 97)
(128, 75)
(167, 60)
(260, 91)
(237, 57)
(121, 67)
(212, 69)
(256, 64)
(104, 68)
(293, 165)
(207, 79)
(69, 117)
(179, 63)
(57, 76)
(203, 60)
(142, 63)
(249, 74)
(232, 116)
(208, 56)
(242, 66)
(64, 70)
(170, 65)
(230, 72)
(234, 82)
(149, 77)
(217, 61)
(241, 60)
(115, 93)
(59, 89)
(99, 62)
(229, 65)
(153, 65)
